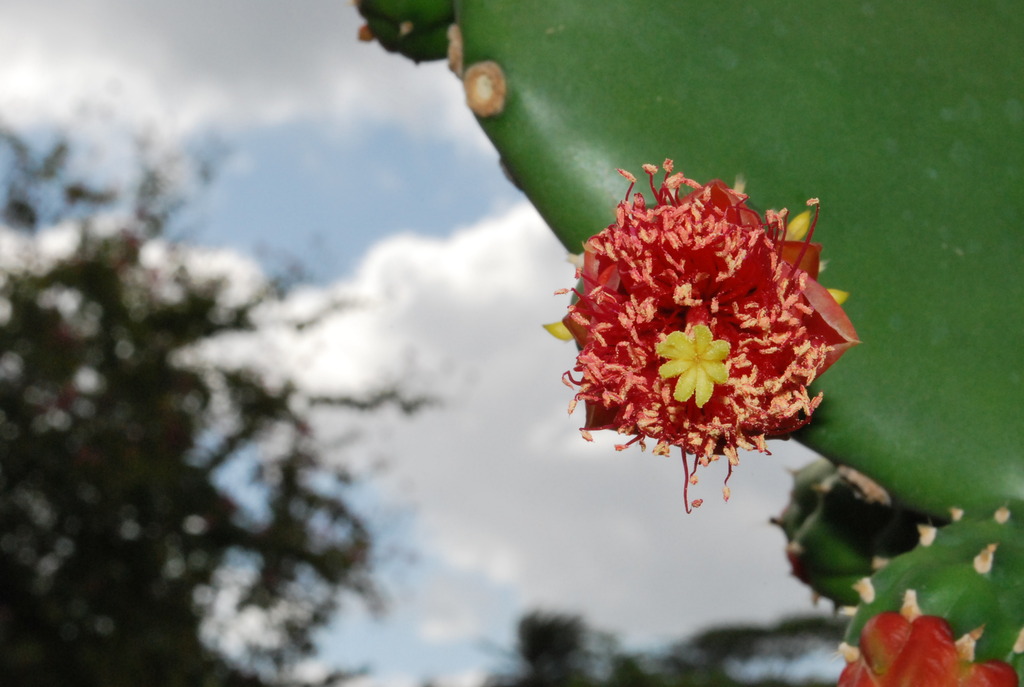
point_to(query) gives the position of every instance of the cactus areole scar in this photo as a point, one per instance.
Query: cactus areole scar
(700, 324)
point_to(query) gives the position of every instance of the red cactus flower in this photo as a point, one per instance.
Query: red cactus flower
(897, 651)
(700, 325)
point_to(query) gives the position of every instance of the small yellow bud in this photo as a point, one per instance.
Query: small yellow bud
(559, 330)
(797, 228)
(840, 296)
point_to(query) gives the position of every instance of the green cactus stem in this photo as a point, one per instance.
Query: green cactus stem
(969, 573)
(417, 29)
(840, 527)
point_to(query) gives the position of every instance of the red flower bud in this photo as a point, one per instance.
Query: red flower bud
(898, 652)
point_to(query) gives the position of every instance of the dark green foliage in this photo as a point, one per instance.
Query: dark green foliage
(719, 655)
(560, 650)
(120, 528)
(35, 192)
(551, 650)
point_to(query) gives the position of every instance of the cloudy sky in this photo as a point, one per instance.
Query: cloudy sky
(368, 170)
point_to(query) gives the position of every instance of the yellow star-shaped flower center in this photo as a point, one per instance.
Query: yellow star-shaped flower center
(696, 360)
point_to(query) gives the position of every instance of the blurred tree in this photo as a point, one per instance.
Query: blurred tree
(730, 655)
(734, 645)
(552, 650)
(560, 650)
(127, 555)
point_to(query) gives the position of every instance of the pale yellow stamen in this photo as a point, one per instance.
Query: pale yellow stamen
(697, 361)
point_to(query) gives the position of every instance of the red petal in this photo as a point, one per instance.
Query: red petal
(797, 567)
(732, 205)
(929, 657)
(594, 276)
(811, 260)
(599, 417)
(857, 674)
(898, 653)
(990, 674)
(578, 331)
(829, 322)
(882, 640)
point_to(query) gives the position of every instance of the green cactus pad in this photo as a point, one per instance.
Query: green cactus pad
(951, 579)
(905, 119)
(417, 29)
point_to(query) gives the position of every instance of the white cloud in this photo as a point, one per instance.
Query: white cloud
(194, 64)
(455, 607)
(469, 678)
(387, 681)
(503, 486)
(241, 277)
(509, 501)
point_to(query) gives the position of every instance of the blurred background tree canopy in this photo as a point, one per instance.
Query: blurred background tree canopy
(126, 556)
(561, 650)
